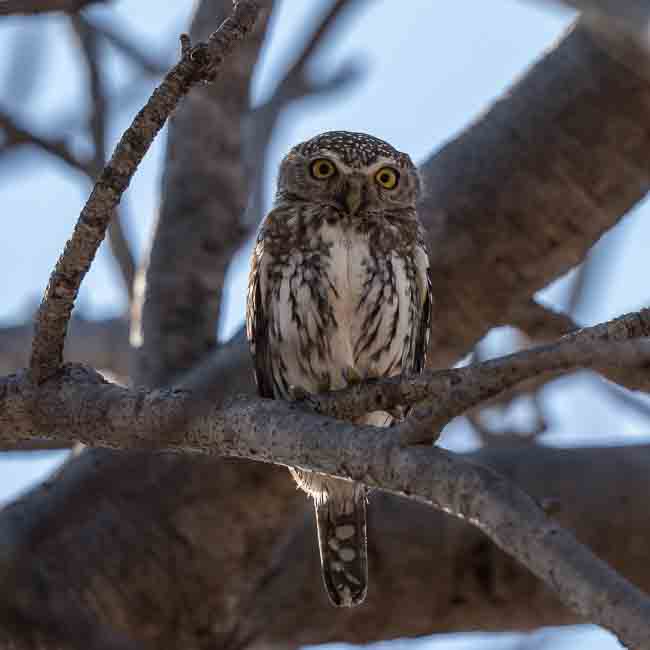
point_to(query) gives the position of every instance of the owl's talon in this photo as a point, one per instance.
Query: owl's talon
(420, 428)
(351, 376)
(298, 394)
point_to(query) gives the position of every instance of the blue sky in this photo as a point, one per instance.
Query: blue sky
(430, 70)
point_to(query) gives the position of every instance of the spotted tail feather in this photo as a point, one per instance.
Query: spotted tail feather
(341, 522)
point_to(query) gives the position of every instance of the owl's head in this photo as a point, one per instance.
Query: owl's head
(352, 172)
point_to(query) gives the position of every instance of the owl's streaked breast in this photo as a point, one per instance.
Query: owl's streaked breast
(343, 307)
(339, 291)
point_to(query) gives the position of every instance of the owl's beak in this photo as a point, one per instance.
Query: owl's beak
(354, 195)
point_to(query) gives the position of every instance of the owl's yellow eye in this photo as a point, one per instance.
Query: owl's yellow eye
(322, 169)
(387, 177)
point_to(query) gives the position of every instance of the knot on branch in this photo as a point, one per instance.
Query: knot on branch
(198, 59)
(78, 373)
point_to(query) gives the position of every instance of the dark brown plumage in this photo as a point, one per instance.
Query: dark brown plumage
(339, 292)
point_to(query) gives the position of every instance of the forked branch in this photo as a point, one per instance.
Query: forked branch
(199, 64)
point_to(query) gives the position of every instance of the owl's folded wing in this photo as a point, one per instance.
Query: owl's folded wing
(422, 325)
(257, 326)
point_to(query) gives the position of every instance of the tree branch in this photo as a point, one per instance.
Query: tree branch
(540, 323)
(78, 404)
(181, 310)
(98, 122)
(260, 123)
(200, 64)
(560, 138)
(10, 7)
(634, 12)
(129, 47)
(17, 135)
(454, 391)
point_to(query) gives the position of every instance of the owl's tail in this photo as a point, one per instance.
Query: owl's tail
(341, 521)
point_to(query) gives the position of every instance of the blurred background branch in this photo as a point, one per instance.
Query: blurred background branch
(9, 7)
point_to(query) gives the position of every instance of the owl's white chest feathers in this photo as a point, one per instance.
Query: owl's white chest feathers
(343, 309)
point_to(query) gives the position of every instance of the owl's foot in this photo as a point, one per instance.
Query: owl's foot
(421, 427)
(297, 394)
(351, 376)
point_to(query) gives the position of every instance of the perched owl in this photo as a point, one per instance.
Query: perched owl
(339, 292)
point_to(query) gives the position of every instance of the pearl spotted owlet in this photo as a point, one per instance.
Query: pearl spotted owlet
(339, 292)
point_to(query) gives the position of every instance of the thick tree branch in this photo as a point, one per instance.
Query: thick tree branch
(180, 315)
(79, 404)
(200, 64)
(528, 189)
(621, 343)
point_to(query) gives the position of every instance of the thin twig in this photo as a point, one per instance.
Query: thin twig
(319, 36)
(121, 250)
(260, 123)
(98, 127)
(11, 7)
(129, 47)
(458, 389)
(540, 323)
(505, 436)
(201, 64)
(17, 135)
(97, 120)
